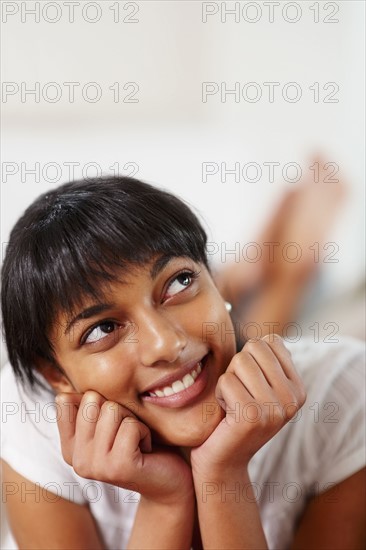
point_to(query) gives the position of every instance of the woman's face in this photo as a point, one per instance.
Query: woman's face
(157, 345)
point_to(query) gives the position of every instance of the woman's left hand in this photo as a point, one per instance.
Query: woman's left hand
(259, 392)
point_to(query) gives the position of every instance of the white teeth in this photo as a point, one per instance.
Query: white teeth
(179, 385)
(188, 380)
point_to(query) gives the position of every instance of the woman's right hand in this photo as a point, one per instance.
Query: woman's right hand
(105, 441)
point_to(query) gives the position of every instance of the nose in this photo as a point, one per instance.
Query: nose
(160, 339)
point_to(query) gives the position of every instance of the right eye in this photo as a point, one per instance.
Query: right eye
(99, 332)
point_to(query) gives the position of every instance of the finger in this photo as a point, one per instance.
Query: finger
(278, 389)
(133, 437)
(248, 371)
(297, 386)
(68, 405)
(111, 416)
(231, 393)
(277, 345)
(268, 362)
(88, 414)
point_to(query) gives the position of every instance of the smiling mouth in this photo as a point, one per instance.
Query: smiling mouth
(179, 385)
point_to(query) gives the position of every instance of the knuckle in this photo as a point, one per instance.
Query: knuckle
(91, 396)
(251, 346)
(236, 361)
(105, 406)
(299, 391)
(288, 397)
(271, 337)
(278, 416)
(290, 409)
(225, 380)
(240, 360)
(129, 419)
(272, 416)
(276, 337)
(81, 467)
(287, 351)
(66, 455)
(302, 395)
(109, 408)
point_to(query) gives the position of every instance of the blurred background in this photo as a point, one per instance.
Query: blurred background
(226, 104)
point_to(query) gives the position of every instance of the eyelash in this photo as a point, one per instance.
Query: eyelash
(193, 276)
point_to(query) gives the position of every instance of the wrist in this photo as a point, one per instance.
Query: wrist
(162, 526)
(176, 501)
(230, 485)
(221, 473)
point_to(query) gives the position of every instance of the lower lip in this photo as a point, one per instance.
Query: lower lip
(184, 397)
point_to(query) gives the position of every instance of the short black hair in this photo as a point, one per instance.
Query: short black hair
(74, 237)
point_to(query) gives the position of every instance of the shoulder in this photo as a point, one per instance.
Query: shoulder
(43, 517)
(325, 442)
(333, 354)
(329, 367)
(330, 435)
(23, 407)
(30, 442)
(31, 451)
(323, 445)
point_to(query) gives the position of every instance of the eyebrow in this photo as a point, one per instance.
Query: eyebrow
(96, 309)
(159, 264)
(88, 313)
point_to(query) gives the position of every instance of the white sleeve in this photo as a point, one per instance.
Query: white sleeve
(30, 441)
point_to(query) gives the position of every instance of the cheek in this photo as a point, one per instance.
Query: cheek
(218, 331)
(210, 320)
(108, 374)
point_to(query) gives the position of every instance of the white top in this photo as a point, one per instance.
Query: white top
(323, 445)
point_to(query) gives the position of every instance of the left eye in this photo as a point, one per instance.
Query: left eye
(99, 332)
(180, 282)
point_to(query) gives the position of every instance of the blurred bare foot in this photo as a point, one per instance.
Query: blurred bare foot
(293, 242)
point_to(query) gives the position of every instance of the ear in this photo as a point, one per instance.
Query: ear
(56, 379)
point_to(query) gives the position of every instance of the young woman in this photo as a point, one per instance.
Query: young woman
(167, 436)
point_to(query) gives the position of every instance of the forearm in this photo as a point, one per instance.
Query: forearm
(162, 526)
(228, 513)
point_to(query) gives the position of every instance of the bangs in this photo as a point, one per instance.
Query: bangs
(80, 249)
(73, 241)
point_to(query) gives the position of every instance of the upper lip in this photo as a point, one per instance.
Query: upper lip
(176, 375)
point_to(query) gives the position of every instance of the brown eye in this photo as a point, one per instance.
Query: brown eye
(99, 332)
(180, 282)
(184, 279)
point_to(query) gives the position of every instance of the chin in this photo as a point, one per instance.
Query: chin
(192, 435)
